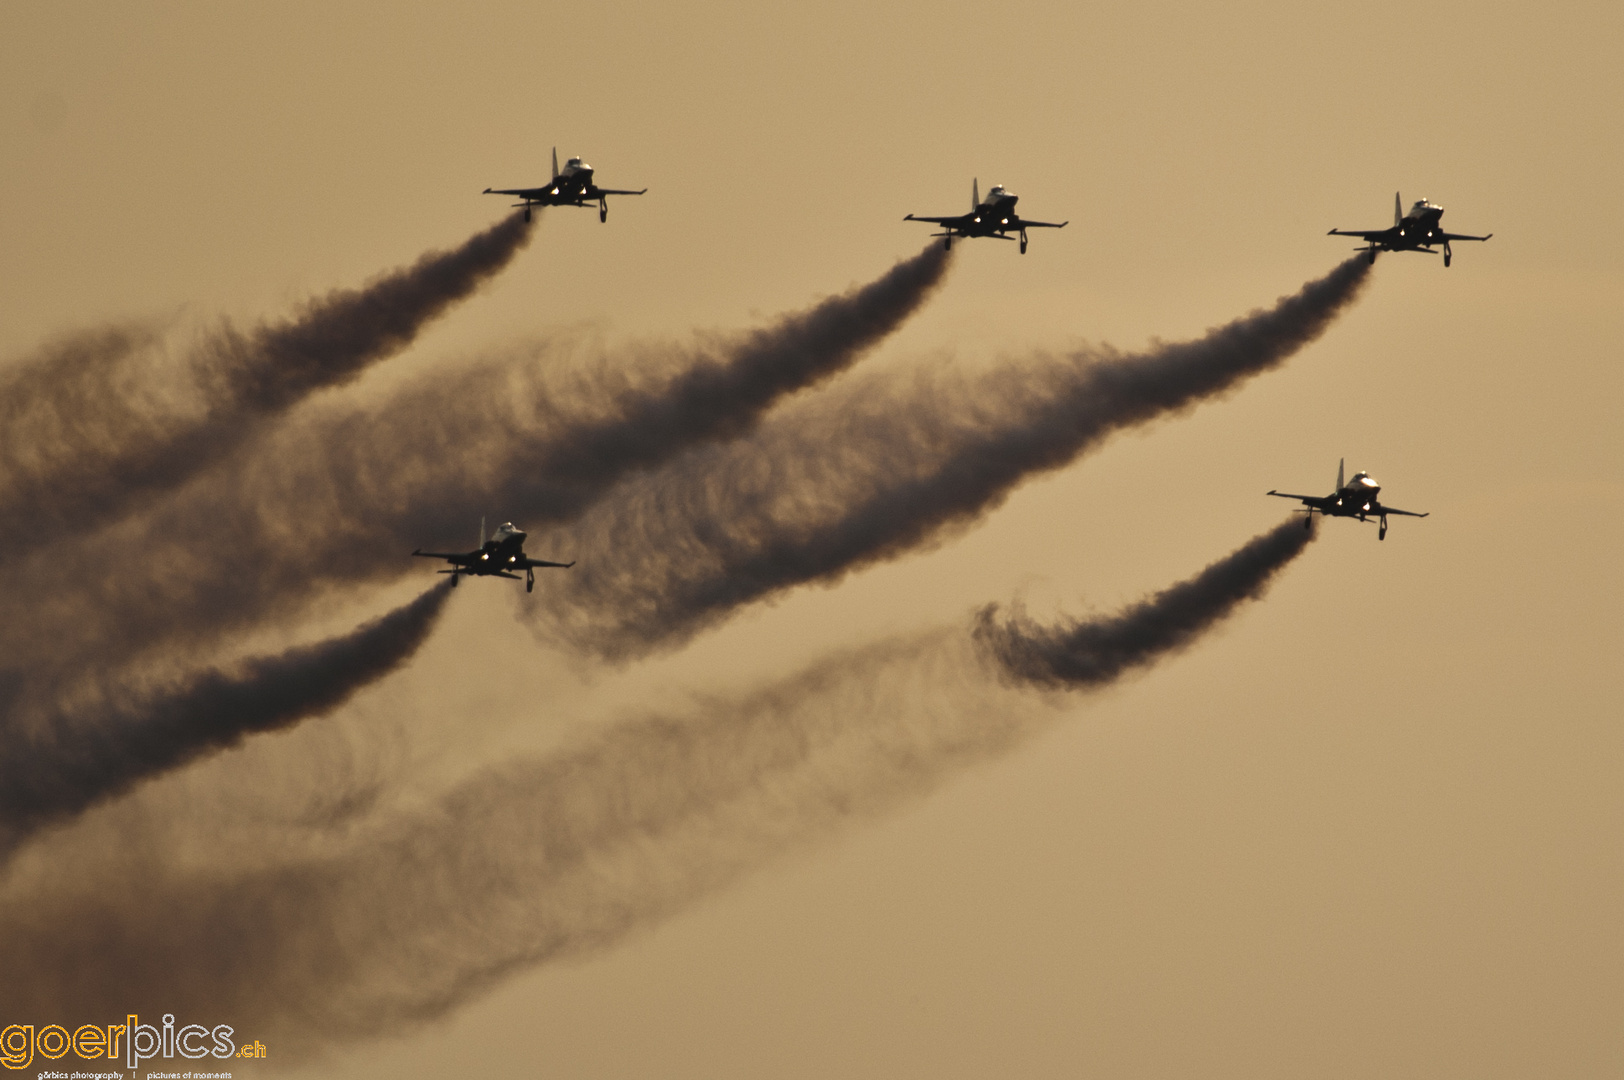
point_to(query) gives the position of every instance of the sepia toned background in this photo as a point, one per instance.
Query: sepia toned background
(1371, 827)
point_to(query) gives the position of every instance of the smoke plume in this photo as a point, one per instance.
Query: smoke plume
(340, 498)
(882, 468)
(74, 760)
(566, 855)
(1091, 652)
(97, 424)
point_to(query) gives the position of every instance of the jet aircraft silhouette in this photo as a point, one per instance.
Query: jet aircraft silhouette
(993, 216)
(1356, 499)
(499, 556)
(572, 187)
(1416, 231)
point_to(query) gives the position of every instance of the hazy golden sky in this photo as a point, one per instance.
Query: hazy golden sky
(1373, 827)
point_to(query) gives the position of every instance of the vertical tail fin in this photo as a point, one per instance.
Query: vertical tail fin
(1398, 206)
(1339, 463)
(482, 529)
(555, 177)
(975, 194)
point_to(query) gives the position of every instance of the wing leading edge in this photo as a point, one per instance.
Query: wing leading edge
(1365, 234)
(460, 558)
(1310, 500)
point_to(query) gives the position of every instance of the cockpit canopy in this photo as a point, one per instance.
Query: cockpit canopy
(1365, 481)
(997, 191)
(575, 163)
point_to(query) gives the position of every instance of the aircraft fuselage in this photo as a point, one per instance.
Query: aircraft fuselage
(1357, 499)
(502, 552)
(572, 187)
(996, 214)
(1419, 228)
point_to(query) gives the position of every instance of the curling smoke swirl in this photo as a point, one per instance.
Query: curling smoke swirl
(337, 499)
(885, 467)
(97, 424)
(74, 760)
(564, 856)
(1091, 652)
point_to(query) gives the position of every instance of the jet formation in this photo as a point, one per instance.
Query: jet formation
(995, 216)
(1354, 499)
(1416, 231)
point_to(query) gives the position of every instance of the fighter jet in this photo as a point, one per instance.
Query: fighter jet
(993, 216)
(499, 557)
(572, 187)
(1416, 231)
(1356, 498)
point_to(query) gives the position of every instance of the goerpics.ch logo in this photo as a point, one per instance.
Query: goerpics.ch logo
(132, 1040)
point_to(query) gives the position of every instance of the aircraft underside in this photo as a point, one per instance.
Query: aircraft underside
(580, 200)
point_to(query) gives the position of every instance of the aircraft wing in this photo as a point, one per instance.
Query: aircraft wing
(1448, 236)
(1365, 234)
(523, 193)
(1319, 502)
(957, 219)
(529, 562)
(618, 191)
(1405, 513)
(461, 558)
(1024, 224)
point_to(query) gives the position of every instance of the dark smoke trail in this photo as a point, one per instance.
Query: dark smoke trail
(79, 759)
(565, 856)
(96, 425)
(342, 498)
(1096, 651)
(855, 478)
